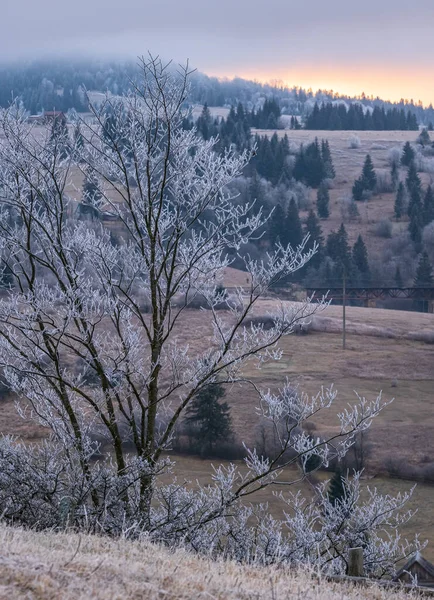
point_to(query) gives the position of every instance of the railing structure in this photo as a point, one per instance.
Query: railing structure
(375, 293)
(368, 295)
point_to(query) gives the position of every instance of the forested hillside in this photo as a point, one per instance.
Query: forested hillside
(60, 84)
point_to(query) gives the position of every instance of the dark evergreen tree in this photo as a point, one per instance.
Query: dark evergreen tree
(415, 226)
(313, 229)
(424, 273)
(338, 489)
(91, 200)
(277, 227)
(59, 136)
(408, 155)
(428, 206)
(327, 160)
(204, 123)
(78, 138)
(293, 230)
(360, 257)
(339, 251)
(414, 188)
(424, 138)
(398, 278)
(368, 174)
(322, 202)
(207, 420)
(399, 201)
(394, 176)
(358, 190)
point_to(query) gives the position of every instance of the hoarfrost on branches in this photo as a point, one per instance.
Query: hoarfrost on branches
(89, 341)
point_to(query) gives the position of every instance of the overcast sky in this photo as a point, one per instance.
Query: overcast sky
(382, 47)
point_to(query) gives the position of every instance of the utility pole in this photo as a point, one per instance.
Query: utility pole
(344, 300)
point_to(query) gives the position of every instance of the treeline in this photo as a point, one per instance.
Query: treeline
(338, 116)
(60, 85)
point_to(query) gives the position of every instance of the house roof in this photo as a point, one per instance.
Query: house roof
(416, 559)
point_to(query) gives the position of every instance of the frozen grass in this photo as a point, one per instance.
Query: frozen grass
(48, 566)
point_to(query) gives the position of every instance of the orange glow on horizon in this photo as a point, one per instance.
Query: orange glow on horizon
(388, 82)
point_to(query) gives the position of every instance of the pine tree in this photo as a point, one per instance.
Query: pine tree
(414, 188)
(277, 229)
(415, 226)
(293, 230)
(408, 155)
(399, 201)
(424, 273)
(78, 137)
(398, 278)
(360, 257)
(204, 123)
(338, 490)
(326, 156)
(313, 229)
(92, 196)
(59, 135)
(339, 251)
(424, 138)
(394, 176)
(368, 174)
(322, 202)
(428, 206)
(208, 420)
(358, 190)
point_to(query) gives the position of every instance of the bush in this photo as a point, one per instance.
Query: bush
(354, 142)
(384, 183)
(394, 156)
(384, 228)
(378, 147)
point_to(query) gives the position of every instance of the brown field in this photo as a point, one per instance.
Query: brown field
(348, 165)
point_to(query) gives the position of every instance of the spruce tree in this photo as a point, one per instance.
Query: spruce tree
(277, 229)
(415, 226)
(293, 230)
(428, 206)
(322, 202)
(339, 251)
(360, 257)
(313, 229)
(208, 420)
(424, 273)
(408, 155)
(394, 176)
(327, 160)
(398, 208)
(59, 136)
(78, 137)
(358, 190)
(424, 138)
(368, 174)
(338, 490)
(398, 278)
(92, 196)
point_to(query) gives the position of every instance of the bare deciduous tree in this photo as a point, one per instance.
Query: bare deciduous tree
(77, 348)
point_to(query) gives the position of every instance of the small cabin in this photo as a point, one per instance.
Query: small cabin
(419, 568)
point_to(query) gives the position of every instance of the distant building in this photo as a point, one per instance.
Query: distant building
(47, 116)
(417, 567)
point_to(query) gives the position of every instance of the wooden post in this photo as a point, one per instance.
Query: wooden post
(355, 562)
(344, 300)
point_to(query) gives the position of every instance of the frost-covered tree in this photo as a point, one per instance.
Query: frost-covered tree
(94, 338)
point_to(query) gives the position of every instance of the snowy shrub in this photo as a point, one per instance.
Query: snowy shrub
(354, 142)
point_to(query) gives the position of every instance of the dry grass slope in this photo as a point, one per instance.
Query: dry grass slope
(48, 566)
